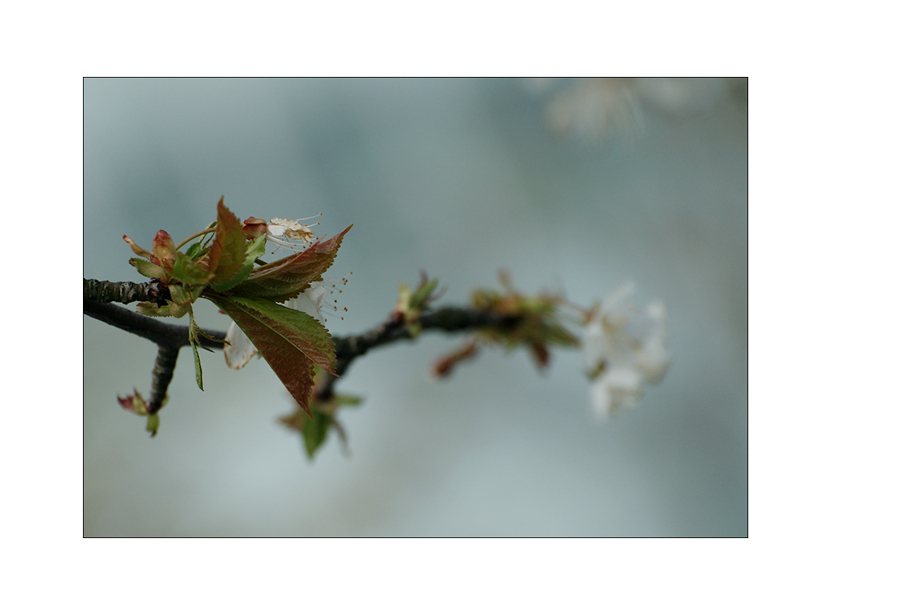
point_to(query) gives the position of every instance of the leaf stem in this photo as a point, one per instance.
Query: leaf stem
(206, 231)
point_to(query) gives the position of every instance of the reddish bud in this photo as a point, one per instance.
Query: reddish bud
(254, 227)
(444, 366)
(163, 250)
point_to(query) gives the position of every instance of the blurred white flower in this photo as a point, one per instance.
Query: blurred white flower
(589, 108)
(623, 349)
(240, 349)
(680, 97)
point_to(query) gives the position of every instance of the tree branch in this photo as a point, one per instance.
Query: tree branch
(153, 329)
(170, 338)
(448, 319)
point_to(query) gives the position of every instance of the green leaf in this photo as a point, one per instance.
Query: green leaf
(203, 333)
(423, 293)
(315, 430)
(315, 423)
(148, 308)
(556, 334)
(147, 269)
(188, 271)
(346, 400)
(153, 424)
(255, 249)
(197, 251)
(182, 295)
(177, 310)
(290, 341)
(195, 340)
(198, 369)
(285, 278)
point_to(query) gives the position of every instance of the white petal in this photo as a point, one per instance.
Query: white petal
(629, 342)
(658, 315)
(602, 403)
(593, 345)
(617, 306)
(617, 388)
(620, 296)
(240, 349)
(290, 229)
(310, 302)
(653, 360)
(626, 381)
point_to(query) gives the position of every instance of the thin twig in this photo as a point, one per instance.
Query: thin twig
(163, 370)
(448, 319)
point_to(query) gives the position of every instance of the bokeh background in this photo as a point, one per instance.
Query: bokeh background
(571, 185)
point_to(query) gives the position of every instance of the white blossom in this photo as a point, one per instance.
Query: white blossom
(289, 229)
(288, 233)
(623, 349)
(591, 107)
(239, 349)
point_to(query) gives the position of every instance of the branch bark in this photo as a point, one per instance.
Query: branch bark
(126, 292)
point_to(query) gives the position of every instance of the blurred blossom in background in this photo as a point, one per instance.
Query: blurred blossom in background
(573, 186)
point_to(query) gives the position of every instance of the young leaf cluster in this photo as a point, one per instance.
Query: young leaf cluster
(411, 303)
(316, 424)
(537, 324)
(221, 266)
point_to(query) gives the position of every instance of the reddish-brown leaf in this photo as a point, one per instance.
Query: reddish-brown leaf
(289, 340)
(285, 278)
(226, 255)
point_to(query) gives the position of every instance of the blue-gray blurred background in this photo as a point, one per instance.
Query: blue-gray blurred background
(570, 185)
